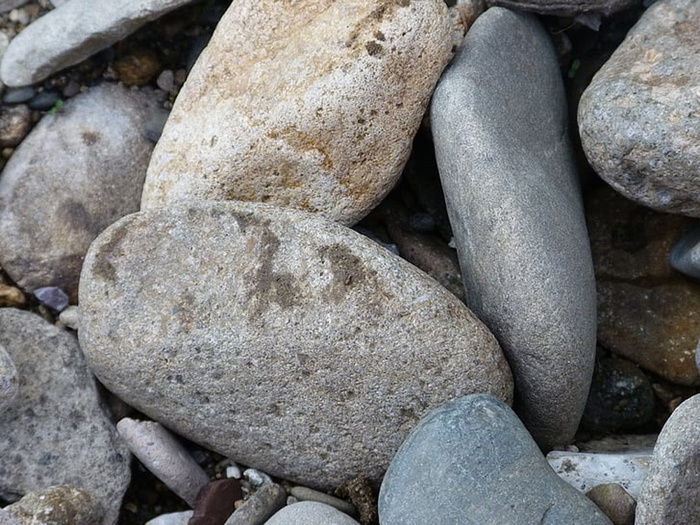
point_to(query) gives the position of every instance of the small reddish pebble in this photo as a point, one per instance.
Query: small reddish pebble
(215, 502)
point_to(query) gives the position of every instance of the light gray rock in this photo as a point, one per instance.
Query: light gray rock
(276, 337)
(7, 5)
(471, 461)
(76, 173)
(9, 381)
(60, 505)
(261, 505)
(163, 455)
(172, 518)
(310, 513)
(57, 433)
(638, 116)
(307, 494)
(72, 32)
(316, 113)
(6, 518)
(516, 212)
(670, 492)
(685, 255)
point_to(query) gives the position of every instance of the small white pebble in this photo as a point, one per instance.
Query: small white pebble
(234, 471)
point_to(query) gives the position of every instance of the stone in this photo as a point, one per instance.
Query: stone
(615, 502)
(318, 113)
(15, 122)
(58, 417)
(685, 255)
(310, 513)
(261, 505)
(73, 32)
(670, 492)
(637, 117)
(138, 67)
(307, 494)
(471, 461)
(566, 7)
(9, 381)
(363, 496)
(7, 5)
(93, 163)
(172, 518)
(70, 317)
(53, 297)
(216, 502)
(517, 216)
(162, 454)
(6, 518)
(11, 296)
(276, 337)
(60, 505)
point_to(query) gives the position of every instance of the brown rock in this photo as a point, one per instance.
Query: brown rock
(138, 68)
(15, 122)
(615, 502)
(215, 502)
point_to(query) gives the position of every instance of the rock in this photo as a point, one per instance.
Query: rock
(70, 317)
(670, 492)
(138, 68)
(93, 164)
(7, 5)
(60, 505)
(256, 478)
(255, 121)
(57, 418)
(310, 513)
(11, 296)
(316, 350)
(615, 502)
(472, 461)
(685, 255)
(163, 455)
(172, 518)
(45, 100)
(647, 312)
(215, 503)
(15, 122)
(517, 214)
(636, 118)
(53, 297)
(73, 32)
(566, 7)
(261, 505)
(363, 496)
(307, 494)
(18, 95)
(8, 519)
(9, 381)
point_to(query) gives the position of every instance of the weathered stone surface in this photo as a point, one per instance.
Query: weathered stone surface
(310, 513)
(670, 492)
(471, 461)
(276, 337)
(57, 433)
(260, 506)
(566, 7)
(615, 502)
(316, 113)
(61, 505)
(9, 381)
(517, 216)
(638, 117)
(75, 174)
(15, 122)
(74, 31)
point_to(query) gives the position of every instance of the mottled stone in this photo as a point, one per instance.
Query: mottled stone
(517, 216)
(638, 116)
(9, 381)
(307, 494)
(276, 337)
(261, 505)
(310, 513)
(615, 502)
(566, 7)
(60, 505)
(15, 122)
(316, 113)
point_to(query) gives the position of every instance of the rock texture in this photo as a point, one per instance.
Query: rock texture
(310, 513)
(75, 174)
(685, 255)
(638, 117)
(517, 216)
(615, 502)
(61, 505)
(9, 381)
(316, 113)
(566, 7)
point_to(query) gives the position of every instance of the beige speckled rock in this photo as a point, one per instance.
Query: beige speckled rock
(276, 337)
(310, 104)
(60, 505)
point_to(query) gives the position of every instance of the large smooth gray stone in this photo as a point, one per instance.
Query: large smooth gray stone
(499, 124)
(276, 337)
(471, 461)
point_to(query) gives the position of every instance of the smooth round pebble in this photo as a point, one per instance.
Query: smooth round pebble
(310, 513)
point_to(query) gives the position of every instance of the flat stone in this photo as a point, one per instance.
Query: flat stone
(516, 212)
(277, 338)
(73, 32)
(58, 417)
(94, 160)
(61, 505)
(9, 381)
(261, 505)
(670, 492)
(637, 118)
(317, 113)
(615, 502)
(310, 513)
(471, 461)
(566, 7)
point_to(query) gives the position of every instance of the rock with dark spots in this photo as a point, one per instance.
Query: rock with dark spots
(60, 505)
(276, 337)
(9, 381)
(329, 131)
(215, 502)
(471, 461)
(260, 506)
(75, 174)
(57, 419)
(310, 513)
(638, 116)
(15, 122)
(517, 216)
(615, 502)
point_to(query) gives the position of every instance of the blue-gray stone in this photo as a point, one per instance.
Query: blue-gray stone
(685, 255)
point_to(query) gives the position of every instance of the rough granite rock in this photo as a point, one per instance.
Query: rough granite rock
(638, 116)
(276, 337)
(58, 432)
(317, 112)
(76, 173)
(72, 32)
(310, 513)
(60, 505)
(471, 461)
(9, 381)
(516, 212)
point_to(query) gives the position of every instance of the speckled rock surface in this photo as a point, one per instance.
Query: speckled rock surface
(638, 117)
(9, 381)
(61, 505)
(276, 337)
(517, 216)
(566, 7)
(310, 513)
(615, 502)
(75, 174)
(316, 113)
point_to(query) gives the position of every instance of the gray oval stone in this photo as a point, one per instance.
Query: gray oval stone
(276, 337)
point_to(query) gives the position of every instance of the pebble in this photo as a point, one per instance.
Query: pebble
(233, 471)
(70, 317)
(566, 7)
(57, 417)
(615, 502)
(261, 505)
(138, 68)
(11, 296)
(472, 461)
(166, 80)
(94, 162)
(256, 478)
(15, 123)
(517, 214)
(310, 513)
(685, 255)
(154, 126)
(9, 381)
(638, 117)
(319, 116)
(161, 453)
(61, 505)
(172, 518)
(18, 95)
(285, 341)
(66, 36)
(670, 492)
(216, 502)
(53, 297)
(44, 100)
(307, 494)
(7, 5)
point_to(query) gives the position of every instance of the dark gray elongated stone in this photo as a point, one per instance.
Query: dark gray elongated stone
(499, 124)
(566, 7)
(475, 463)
